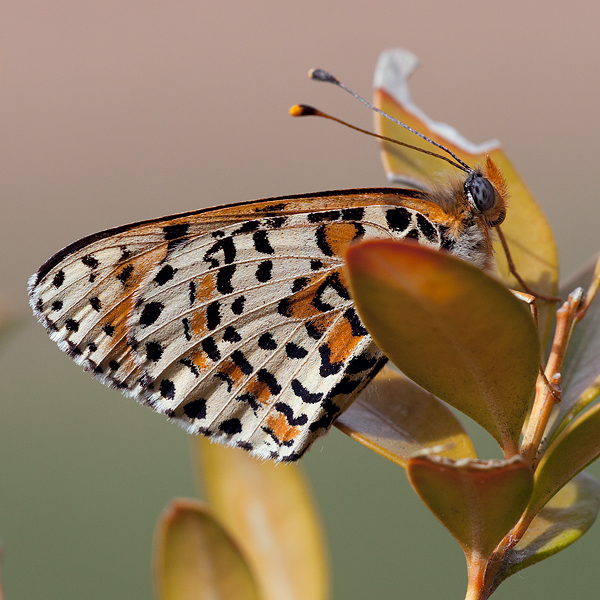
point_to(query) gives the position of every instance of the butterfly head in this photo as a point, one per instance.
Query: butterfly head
(486, 192)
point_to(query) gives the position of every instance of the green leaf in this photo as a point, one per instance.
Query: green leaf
(268, 508)
(195, 558)
(477, 501)
(573, 450)
(396, 418)
(581, 369)
(566, 517)
(452, 329)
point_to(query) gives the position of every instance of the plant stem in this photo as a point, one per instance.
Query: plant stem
(476, 566)
(566, 318)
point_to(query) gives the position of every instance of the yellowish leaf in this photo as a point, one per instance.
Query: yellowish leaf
(477, 501)
(196, 559)
(573, 450)
(396, 418)
(451, 328)
(268, 509)
(566, 517)
(526, 229)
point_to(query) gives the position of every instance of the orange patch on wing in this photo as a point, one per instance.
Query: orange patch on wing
(232, 370)
(259, 390)
(323, 322)
(205, 287)
(132, 272)
(281, 429)
(205, 291)
(341, 342)
(199, 358)
(302, 305)
(198, 322)
(339, 236)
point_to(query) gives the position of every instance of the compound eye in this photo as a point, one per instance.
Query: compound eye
(482, 192)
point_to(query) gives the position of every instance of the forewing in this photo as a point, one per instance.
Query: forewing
(234, 321)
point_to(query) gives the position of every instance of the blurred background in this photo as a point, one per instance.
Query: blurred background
(118, 111)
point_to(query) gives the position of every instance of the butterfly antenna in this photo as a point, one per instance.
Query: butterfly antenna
(303, 110)
(321, 75)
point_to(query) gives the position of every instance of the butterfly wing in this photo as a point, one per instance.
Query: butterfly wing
(235, 321)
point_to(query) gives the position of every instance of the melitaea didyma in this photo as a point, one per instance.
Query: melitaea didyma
(236, 321)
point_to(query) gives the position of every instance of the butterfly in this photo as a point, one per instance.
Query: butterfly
(236, 322)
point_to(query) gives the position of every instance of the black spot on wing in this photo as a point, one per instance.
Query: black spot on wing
(210, 347)
(167, 389)
(332, 281)
(154, 351)
(192, 293)
(294, 351)
(213, 315)
(284, 307)
(247, 227)
(173, 232)
(226, 247)
(287, 411)
(196, 409)
(125, 274)
(165, 275)
(150, 313)
(322, 241)
(224, 276)
(353, 214)
(426, 227)
(327, 367)
(361, 363)
(95, 303)
(398, 218)
(191, 366)
(186, 328)
(261, 242)
(58, 279)
(264, 271)
(90, 261)
(231, 426)
(356, 326)
(72, 325)
(263, 376)
(249, 399)
(267, 342)
(238, 358)
(326, 215)
(237, 306)
(314, 332)
(231, 335)
(226, 378)
(304, 394)
(299, 284)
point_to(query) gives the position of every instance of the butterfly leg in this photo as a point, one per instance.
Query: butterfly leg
(515, 273)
